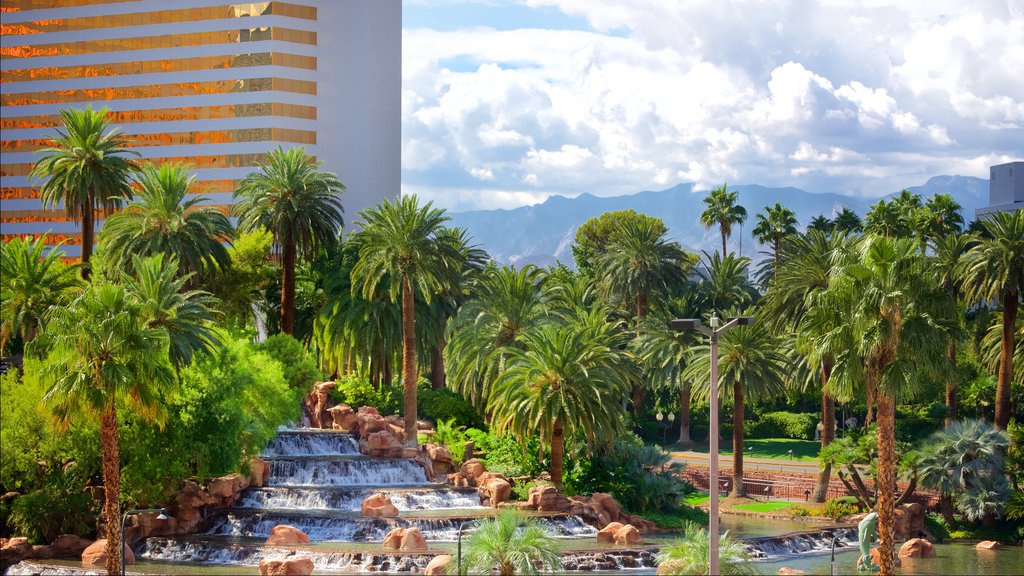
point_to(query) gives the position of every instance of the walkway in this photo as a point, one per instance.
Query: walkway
(749, 463)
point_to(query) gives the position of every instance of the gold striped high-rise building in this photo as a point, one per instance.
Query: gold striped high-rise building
(212, 84)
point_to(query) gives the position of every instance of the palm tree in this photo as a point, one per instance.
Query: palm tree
(750, 359)
(692, 554)
(774, 225)
(966, 456)
(399, 243)
(161, 220)
(888, 219)
(102, 354)
(32, 281)
(884, 301)
(665, 353)
(820, 223)
(568, 379)
(938, 218)
(847, 221)
(949, 253)
(721, 210)
(511, 544)
(724, 282)
(298, 204)
(86, 170)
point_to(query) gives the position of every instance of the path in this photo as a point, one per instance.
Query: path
(749, 463)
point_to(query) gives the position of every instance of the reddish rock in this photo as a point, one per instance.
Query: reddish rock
(317, 402)
(410, 452)
(96, 553)
(14, 550)
(284, 535)
(607, 534)
(876, 559)
(988, 545)
(259, 473)
(784, 571)
(643, 525)
(473, 468)
(378, 505)
(344, 418)
(438, 565)
(545, 497)
(917, 548)
(404, 540)
(382, 444)
(494, 491)
(460, 480)
(367, 411)
(627, 535)
(287, 567)
(227, 489)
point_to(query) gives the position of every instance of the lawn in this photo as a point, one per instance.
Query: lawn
(696, 499)
(763, 507)
(776, 448)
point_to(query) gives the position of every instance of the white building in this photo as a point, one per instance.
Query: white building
(1005, 188)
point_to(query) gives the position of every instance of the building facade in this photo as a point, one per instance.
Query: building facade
(1005, 188)
(215, 85)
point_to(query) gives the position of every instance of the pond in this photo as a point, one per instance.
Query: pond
(950, 559)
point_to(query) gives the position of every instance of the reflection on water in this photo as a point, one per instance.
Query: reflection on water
(950, 559)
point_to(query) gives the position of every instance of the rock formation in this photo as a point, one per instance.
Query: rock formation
(287, 567)
(917, 548)
(404, 540)
(284, 535)
(378, 505)
(96, 553)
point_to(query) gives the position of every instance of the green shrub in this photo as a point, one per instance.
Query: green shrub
(836, 508)
(452, 437)
(521, 491)
(357, 391)
(678, 519)
(800, 426)
(439, 405)
(60, 507)
(797, 511)
(916, 422)
(504, 455)
(936, 526)
(297, 365)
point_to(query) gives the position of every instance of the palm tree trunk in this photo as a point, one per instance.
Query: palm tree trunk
(946, 508)
(869, 417)
(886, 485)
(737, 441)
(639, 393)
(437, 374)
(828, 433)
(1006, 360)
(288, 285)
(684, 415)
(88, 235)
(778, 247)
(409, 361)
(951, 382)
(557, 453)
(111, 486)
(723, 243)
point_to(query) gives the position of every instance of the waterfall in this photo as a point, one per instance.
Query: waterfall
(766, 547)
(309, 443)
(351, 499)
(345, 471)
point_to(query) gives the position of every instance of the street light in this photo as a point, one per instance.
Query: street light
(712, 332)
(162, 516)
(458, 553)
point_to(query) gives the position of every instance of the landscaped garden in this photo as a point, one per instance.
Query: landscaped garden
(265, 379)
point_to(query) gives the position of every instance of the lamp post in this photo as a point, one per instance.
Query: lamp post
(458, 553)
(712, 332)
(124, 519)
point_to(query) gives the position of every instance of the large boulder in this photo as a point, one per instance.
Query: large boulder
(96, 553)
(284, 535)
(909, 521)
(259, 473)
(473, 468)
(494, 489)
(627, 535)
(988, 545)
(14, 550)
(438, 565)
(63, 546)
(404, 540)
(227, 489)
(917, 548)
(381, 444)
(287, 567)
(606, 535)
(378, 505)
(343, 418)
(546, 498)
(317, 403)
(440, 459)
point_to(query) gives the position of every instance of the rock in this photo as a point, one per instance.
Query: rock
(790, 571)
(404, 540)
(440, 459)
(14, 550)
(473, 468)
(63, 546)
(643, 525)
(259, 473)
(287, 567)
(627, 535)
(495, 490)
(382, 444)
(227, 489)
(545, 497)
(378, 505)
(909, 521)
(607, 534)
(438, 565)
(284, 535)
(876, 557)
(460, 480)
(343, 417)
(988, 545)
(317, 402)
(96, 553)
(917, 548)
(410, 453)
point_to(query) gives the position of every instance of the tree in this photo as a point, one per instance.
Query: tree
(964, 462)
(692, 554)
(252, 272)
(949, 253)
(752, 362)
(774, 225)
(567, 379)
(820, 223)
(32, 281)
(888, 219)
(87, 170)
(847, 221)
(993, 270)
(886, 299)
(938, 218)
(161, 220)
(665, 354)
(511, 544)
(724, 282)
(102, 354)
(594, 235)
(722, 210)
(399, 243)
(298, 204)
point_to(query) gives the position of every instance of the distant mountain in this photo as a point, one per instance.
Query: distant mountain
(541, 234)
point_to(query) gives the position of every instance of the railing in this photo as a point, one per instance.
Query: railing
(784, 489)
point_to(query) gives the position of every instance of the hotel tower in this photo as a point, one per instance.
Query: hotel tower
(212, 84)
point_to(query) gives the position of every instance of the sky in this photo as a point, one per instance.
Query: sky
(505, 103)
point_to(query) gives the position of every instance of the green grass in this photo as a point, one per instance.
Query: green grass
(695, 499)
(763, 507)
(775, 448)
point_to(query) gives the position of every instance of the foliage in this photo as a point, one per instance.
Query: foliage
(692, 554)
(594, 236)
(357, 391)
(298, 366)
(61, 506)
(800, 426)
(1005, 532)
(251, 274)
(965, 462)
(502, 454)
(836, 508)
(678, 519)
(797, 511)
(511, 544)
(451, 436)
(937, 527)
(1015, 506)
(441, 405)
(918, 421)
(521, 490)
(721, 209)
(32, 280)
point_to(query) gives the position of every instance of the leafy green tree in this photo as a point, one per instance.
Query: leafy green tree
(665, 353)
(692, 554)
(299, 205)
(938, 218)
(724, 283)
(950, 250)
(774, 225)
(251, 274)
(964, 462)
(298, 366)
(820, 223)
(888, 219)
(399, 243)
(847, 221)
(566, 379)
(993, 270)
(87, 170)
(161, 220)
(511, 544)
(103, 353)
(32, 281)
(721, 209)
(594, 235)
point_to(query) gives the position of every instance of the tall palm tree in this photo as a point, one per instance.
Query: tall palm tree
(32, 281)
(888, 219)
(161, 220)
(752, 362)
(993, 270)
(511, 544)
(774, 225)
(87, 170)
(692, 554)
(567, 380)
(399, 243)
(665, 354)
(298, 204)
(950, 250)
(102, 354)
(938, 218)
(820, 223)
(847, 221)
(886, 296)
(722, 210)
(724, 283)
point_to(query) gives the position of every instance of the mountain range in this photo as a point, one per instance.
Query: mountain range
(541, 234)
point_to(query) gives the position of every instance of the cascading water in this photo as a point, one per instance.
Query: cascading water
(311, 443)
(800, 542)
(345, 471)
(342, 498)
